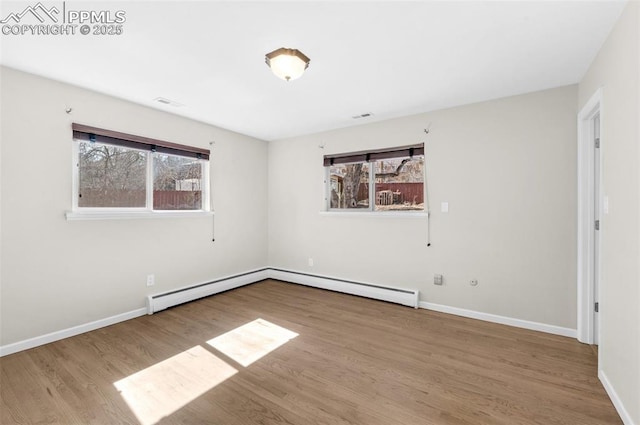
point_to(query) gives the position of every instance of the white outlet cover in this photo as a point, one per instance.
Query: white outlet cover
(444, 207)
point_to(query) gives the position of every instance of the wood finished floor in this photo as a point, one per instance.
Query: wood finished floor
(355, 361)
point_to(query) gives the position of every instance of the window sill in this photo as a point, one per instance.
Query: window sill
(376, 214)
(128, 215)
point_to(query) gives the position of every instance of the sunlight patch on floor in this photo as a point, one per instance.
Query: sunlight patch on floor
(252, 341)
(161, 389)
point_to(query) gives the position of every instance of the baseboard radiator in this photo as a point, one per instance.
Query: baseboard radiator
(408, 297)
(162, 301)
(165, 300)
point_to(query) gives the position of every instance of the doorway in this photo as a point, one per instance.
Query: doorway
(590, 203)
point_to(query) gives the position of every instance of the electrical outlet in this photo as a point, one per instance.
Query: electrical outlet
(474, 282)
(437, 279)
(151, 280)
(310, 262)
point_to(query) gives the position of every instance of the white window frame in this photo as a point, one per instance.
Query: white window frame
(371, 209)
(101, 213)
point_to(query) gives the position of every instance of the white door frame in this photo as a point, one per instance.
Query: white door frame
(586, 218)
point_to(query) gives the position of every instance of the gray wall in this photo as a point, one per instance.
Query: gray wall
(616, 70)
(508, 170)
(56, 273)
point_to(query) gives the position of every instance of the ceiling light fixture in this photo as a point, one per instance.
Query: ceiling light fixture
(288, 64)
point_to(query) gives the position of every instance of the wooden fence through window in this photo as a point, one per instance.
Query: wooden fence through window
(411, 193)
(162, 199)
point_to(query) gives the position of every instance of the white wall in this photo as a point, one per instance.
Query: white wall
(617, 70)
(508, 170)
(56, 273)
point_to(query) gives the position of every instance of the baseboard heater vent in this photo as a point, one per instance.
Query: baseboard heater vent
(158, 302)
(165, 300)
(408, 297)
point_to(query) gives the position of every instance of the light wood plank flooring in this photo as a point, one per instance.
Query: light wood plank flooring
(354, 361)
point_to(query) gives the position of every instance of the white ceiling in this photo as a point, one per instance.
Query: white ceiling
(388, 58)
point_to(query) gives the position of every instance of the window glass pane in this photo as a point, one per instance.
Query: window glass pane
(399, 184)
(349, 184)
(111, 176)
(177, 182)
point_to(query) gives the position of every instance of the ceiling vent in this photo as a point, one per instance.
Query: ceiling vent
(166, 101)
(365, 115)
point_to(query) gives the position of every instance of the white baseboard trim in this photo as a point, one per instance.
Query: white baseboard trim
(197, 291)
(5, 350)
(408, 297)
(615, 399)
(487, 317)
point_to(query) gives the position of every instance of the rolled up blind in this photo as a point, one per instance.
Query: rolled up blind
(100, 135)
(374, 155)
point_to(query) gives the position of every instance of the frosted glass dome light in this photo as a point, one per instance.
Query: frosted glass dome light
(288, 64)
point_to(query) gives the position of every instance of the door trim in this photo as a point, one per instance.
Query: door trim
(586, 217)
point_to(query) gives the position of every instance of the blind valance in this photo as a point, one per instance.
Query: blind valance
(374, 155)
(99, 135)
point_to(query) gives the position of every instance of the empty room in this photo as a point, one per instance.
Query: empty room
(323, 212)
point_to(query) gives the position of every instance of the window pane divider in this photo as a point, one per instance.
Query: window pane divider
(372, 186)
(149, 185)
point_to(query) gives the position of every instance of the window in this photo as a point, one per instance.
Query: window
(349, 185)
(381, 180)
(111, 176)
(177, 183)
(121, 172)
